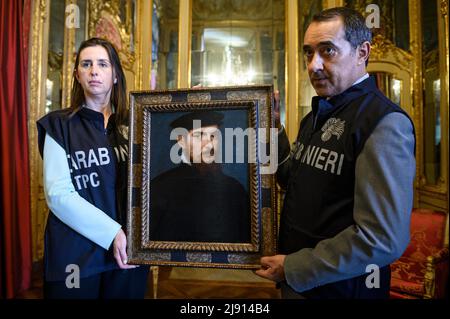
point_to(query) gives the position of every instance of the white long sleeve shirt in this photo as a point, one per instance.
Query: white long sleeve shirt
(66, 204)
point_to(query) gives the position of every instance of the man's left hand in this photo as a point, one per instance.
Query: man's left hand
(272, 268)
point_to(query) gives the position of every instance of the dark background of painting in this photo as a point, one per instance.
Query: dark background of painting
(160, 144)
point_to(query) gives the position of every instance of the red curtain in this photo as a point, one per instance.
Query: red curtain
(15, 217)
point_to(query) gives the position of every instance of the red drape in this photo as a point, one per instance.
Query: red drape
(15, 218)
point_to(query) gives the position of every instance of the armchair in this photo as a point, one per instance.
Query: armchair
(422, 271)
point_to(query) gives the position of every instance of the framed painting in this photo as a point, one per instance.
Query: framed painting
(201, 185)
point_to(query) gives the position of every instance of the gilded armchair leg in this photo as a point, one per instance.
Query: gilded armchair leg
(155, 271)
(429, 279)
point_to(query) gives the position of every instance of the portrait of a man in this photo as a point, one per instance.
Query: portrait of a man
(196, 201)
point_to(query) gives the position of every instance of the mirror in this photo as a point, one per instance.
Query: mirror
(431, 92)
(238, 42)
(164, 72)
(53, 82)
(389, 85)
(306, 10)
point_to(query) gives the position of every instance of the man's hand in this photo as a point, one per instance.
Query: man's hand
(276, 109)
(120, 250)
(272, 268)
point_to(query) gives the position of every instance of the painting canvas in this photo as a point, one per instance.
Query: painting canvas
(199, 190)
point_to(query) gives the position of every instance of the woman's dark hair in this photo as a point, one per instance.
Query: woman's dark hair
(119, 89)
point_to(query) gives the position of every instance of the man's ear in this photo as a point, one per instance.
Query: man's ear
(363, 52)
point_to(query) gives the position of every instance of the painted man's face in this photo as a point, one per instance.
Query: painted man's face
(200, 145)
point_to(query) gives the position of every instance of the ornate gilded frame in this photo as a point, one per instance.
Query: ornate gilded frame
(256, 100)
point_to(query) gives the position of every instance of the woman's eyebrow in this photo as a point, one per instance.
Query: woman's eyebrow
(98, 60)
(103, 60)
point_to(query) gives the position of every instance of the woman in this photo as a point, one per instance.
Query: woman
(85, 151)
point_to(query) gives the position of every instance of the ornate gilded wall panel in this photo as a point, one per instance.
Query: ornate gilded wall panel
(114, 21)
(36, 108)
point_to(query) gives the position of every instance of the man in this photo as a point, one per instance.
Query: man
(196, 201)
(349, 176)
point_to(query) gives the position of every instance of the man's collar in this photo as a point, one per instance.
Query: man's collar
(361, 86)
(365, 76)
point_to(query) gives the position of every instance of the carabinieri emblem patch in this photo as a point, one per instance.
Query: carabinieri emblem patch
(333, 126)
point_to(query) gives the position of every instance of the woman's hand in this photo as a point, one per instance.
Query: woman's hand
(120, 250)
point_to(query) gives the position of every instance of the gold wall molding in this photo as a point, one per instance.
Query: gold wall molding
(37, 74)
(327, 4)
(382, 48)
(143, 44)
(292, 69)
(68, 62)
(184, 44)
(415, 45)
(431, 59)
(444, 8)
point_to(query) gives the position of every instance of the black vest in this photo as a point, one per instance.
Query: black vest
(320, 191)
(97, 159)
